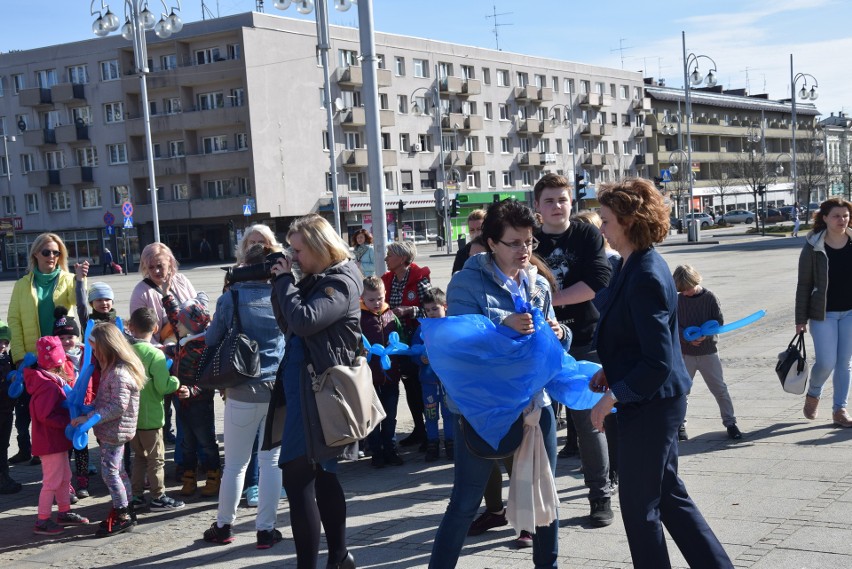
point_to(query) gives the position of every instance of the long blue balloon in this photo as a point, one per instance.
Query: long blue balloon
(394, 348)
(79, 435)
(712, 327)
(17, 376)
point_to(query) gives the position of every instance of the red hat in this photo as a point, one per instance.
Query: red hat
(51, 355)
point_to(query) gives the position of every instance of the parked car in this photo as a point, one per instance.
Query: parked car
(703, 219)
(773, 215)
(738, 216)
(787, 212)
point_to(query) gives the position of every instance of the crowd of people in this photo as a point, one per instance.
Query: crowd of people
(606, 293)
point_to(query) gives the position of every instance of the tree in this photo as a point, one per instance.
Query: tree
(724, 181)
(752, 169)
(812, 174)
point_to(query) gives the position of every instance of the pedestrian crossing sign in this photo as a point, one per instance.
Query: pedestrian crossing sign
(128, 222)
(247, 210)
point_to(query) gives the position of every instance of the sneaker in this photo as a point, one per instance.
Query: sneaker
(377, 461)
(268, 537)
(117, 522)
(734, 433)
(47, 527)
(251, 496)
(432, 449)
(20, 458)
(601, 513)
(524, 540)
(568, 451)
(449, 449)
(166, 503)
(393, 458)
(810, 409)
(414, 438)
(71, 518)
(216, 534)
(138, 502)
(82, 487)
(487, 521)
(72, 494)
(681, 433)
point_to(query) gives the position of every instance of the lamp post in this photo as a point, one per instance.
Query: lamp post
(568, 113)
(695, 79)
(757, 134)
(680, 156)
(805, 93)
(435, 94)
(6, 140)
(139, 19)
(323, 46)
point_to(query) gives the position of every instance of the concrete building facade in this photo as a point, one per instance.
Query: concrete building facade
(238, 118)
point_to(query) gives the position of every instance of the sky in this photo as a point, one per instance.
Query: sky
(750, 40)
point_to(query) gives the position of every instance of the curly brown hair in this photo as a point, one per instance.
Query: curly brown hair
(368, 237)
(825, 208)
(639, 208)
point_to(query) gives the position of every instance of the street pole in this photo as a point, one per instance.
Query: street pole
(793, 169)
(692, 222)
(9, 187)
(436, 103)
(323, 45)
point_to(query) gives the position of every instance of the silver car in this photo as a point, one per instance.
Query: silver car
(738, 216)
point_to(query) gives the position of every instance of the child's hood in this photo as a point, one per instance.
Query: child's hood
(38, 381)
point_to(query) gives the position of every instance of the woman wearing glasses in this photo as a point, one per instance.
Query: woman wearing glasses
(47, 285)
(490, 284)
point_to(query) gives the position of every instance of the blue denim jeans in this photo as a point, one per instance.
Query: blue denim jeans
(833, 351)
(381, 439)
(471, 474)
(435, 407)
(197, 421)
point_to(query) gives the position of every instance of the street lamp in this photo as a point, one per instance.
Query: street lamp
(568, 113)
(6, 140)
(434, 93)
(324, 45)
(695, 79)
(805, 93)
(675, 157)
(139, 19)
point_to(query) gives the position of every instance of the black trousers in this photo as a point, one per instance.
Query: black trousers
(652, 494)
(22, 423)
(413, 395)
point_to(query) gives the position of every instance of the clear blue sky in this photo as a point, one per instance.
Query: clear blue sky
(750, 40)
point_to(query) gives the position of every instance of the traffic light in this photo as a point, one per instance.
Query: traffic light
(761, 189)
(454, 208)
(495, 198)
(580, 184)
(400, 209)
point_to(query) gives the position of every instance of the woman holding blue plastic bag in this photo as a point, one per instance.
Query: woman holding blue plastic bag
(494, 284)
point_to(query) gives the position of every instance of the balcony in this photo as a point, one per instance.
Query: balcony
(642, 105)
(591, 159)
(34, 97)
(162, 167)
(529, 159)
(544, 94)
(451, 85)
(353, 117)
(191, 119)
(529, 126)
(607, 129)
(592, 130)
(78, 175)
(387, 118)
(471, 87)
(594, 100)
(353, 76)
(475, 158)
(389, 158)
(354, 159)
(41, 137)
(43, 178)
(452, 121)
(645, 159)
(204, 163)
(642, 131)
(528, 93)
(546, 127)
(68, 92)
(70, 133)
(472, 122)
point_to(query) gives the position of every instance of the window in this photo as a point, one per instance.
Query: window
(421, 68)
(472, 179)
(59, 201)
(82, 115)
(492, 179)
(120, 194)
(522, 112)
(243, 186)
(616, 147)
(87, 156)
(402, 104)
(54, 160)
(584, 87)
(428, 181)
(4, 166)
(78, 74)
(522, 79)
(158, 153)
(622, 91)
(351, 99)
(114, 112)
(32, 202)
(117, 153)
(347, 57)
(524, 144)
(404, 143)
(238, 97)
(505, 145)
(540, 81)
(90, 198)
(9, 205)
(486, 76)
(399, 66)
(543, 145)
(214, 144)
(18, 83)
(468, 72)
(172, 105)
(356, 182)
(49, 119)
(569, 86)
(507, 179)
(422, 103)
(180, 192)
(526, 178)
(503, 108)
(176, 148)
(208, 55)
(168, 61)
(449, 142)
(612, 90)
(234, 50)
(110, 70)
(27, 163)
(241, 141)
(558, 146)
(405, 181)
(425, 141)
(471, 144)
(554, 83)
(380, 60)
(445, 69)
(383, 101)
(599, 88)
(1, 86)
(217, 188)
(46, 78)
(325, 140)
(489, 144)
(352, 141)
(214, 100)
(489, 111)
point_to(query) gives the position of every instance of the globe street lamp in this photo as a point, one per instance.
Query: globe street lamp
(806, 94)
(139, 19)
(681, 157)
(694, 78)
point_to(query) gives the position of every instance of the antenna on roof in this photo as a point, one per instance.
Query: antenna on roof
(497, 25)
(205, 11)
(258, 6)
(621, 48)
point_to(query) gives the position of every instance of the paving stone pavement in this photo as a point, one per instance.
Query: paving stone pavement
(779, 498)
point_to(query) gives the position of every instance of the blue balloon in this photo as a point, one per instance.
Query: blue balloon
(17, 376)
(394, 348)
(79, 435)
(712, 327)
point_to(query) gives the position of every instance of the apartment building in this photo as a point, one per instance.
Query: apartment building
(836, 131)
(238, 118)
(738, 141)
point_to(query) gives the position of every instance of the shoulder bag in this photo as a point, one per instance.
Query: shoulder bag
(349, 408)
(233, 361)
(792, 367)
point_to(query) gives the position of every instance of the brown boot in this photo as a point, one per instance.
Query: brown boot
(810, 410)
(211, 487)
(842, 418)
(189, 483)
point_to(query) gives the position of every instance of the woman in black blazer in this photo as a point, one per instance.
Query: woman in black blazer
(644, 377)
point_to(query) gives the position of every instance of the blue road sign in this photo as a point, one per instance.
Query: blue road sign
(128, 222)
(110, 230)
(247, 210)
(109, 219)
(666, 175)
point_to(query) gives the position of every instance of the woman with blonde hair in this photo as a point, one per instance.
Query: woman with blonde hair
(254, 234)
(47, 285)
(320, 319)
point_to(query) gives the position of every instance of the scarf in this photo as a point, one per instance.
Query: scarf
(44, 284)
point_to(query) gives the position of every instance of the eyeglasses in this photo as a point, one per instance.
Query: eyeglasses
(50, 253)
(520, 246)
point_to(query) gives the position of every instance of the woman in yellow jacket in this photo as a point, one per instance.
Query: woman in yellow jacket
(47, 284)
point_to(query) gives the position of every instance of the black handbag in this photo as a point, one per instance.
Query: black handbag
(792, 367)
(232, 362)
(479, 447)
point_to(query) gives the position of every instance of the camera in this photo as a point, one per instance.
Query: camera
(256, 272)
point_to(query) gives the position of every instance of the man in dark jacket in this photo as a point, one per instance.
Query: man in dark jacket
(474, 228)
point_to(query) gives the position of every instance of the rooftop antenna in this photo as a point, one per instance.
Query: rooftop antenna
(621, 48)
(497, 25)
(258, 6)
(205, 11)
(748, 83)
